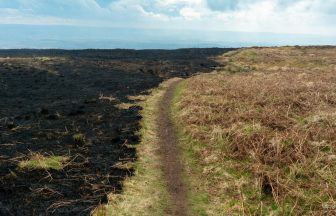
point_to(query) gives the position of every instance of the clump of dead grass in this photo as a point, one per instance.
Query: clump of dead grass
(265, 140)
(124, 106)
(109, 98)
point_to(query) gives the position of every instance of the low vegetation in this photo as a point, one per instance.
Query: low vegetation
(145, 193)
(79, 138)
(78, 103)
(259, 133)
(39, 161)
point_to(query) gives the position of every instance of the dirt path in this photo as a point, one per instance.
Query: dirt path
(170, 156)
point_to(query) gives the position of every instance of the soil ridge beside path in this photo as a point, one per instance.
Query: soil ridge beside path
(170, 154)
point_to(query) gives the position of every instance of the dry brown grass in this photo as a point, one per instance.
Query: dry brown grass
(265, 137)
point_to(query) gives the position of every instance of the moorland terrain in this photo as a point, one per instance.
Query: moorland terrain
(68, 122)
(247, 132)
(259, 135)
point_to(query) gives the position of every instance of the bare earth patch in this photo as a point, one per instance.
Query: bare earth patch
(170, 154)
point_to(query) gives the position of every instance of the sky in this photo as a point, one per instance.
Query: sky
(216, 22)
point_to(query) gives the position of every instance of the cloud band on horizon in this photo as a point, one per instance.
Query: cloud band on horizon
(277, 16)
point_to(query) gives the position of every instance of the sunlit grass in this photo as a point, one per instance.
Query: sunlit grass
(258, 136)
(38, 161)
(145, 193)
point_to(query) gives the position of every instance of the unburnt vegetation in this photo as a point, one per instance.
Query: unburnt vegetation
(146, 192)
(38, 161)
(259, 134)
(69, 122)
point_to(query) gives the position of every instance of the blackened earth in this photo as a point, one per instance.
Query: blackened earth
(48, 96)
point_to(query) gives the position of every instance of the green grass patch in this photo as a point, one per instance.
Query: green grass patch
(38, 161)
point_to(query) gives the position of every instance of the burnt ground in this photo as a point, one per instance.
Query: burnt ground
(47, 96)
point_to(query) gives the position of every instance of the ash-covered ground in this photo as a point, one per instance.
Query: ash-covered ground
(49, 96)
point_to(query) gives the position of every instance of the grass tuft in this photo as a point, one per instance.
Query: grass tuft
(39, 161)
(79, 138)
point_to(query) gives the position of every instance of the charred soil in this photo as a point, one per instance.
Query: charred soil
(50, 97)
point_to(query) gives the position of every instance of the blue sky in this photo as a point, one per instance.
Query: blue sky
(313, 17)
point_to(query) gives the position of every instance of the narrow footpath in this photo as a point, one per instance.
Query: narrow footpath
(171, 163)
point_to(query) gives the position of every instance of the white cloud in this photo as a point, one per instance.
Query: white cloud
(190, 13)
(14, 16)
(282, 16)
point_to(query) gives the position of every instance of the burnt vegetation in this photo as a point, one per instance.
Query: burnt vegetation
(57, 104)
